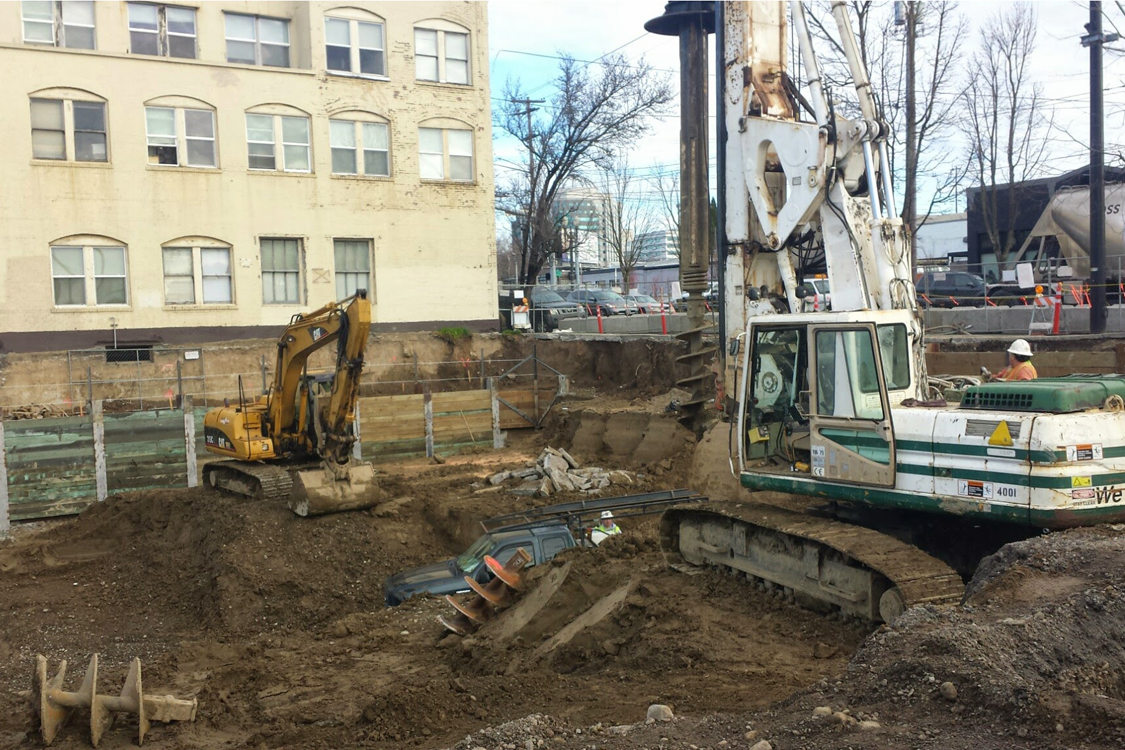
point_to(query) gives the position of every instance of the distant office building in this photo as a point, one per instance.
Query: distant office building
(661, 246)
(184, 173)
(588, 212)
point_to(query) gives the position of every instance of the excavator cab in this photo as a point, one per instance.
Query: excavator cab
(817, 400)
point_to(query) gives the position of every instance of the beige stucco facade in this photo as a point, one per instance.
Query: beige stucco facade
(432, 248)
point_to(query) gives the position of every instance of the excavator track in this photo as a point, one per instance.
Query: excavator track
(857, 570)
(254, 480)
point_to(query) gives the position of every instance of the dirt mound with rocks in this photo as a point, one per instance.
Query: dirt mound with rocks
(1033, 658)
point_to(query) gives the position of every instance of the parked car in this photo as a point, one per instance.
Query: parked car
(547, 311)
(950, 289)
(448, 576)
(646, 304)
(609, 303)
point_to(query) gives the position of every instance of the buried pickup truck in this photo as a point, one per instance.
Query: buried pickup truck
(542, 532)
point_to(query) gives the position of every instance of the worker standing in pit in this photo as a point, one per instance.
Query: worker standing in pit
(1019, 364)
(605, 528)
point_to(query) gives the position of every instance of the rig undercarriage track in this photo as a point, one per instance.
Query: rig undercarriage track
(249, 479)
(860, 571)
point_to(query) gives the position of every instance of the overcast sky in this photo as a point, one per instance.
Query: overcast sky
(525, 36)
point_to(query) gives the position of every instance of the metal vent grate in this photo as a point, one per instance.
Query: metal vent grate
(985, 428)
(1000, 400)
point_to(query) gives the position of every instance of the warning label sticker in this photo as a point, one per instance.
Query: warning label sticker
(818, 460)
(974, 488)
(1090, 452)
(1083, 494)
(1081, 482)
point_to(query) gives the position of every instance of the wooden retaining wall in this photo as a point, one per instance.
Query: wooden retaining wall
(59, 465)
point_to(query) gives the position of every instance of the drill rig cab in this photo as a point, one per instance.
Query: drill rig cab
(295, 442)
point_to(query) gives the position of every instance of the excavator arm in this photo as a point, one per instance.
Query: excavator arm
(347, 324)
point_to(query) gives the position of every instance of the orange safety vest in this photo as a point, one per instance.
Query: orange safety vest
(1022, 371)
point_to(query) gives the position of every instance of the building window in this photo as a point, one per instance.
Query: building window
(161, 30)
(82, 273)
(353, 46)
(353, 266)
(197, 273)
(360, 144)
(281, 271)
(445, 154)
(256, 40)
(62, 129)
(441, 56)
(178, 136)
(290, 155)
(59, 23)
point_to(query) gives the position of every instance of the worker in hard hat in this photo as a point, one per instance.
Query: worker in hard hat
(605, 528)
(1019, 364)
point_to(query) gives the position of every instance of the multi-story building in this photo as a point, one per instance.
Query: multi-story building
(661, 246)
(191, 172)
(586, 214)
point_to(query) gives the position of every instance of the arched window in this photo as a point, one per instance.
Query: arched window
(441, 51)
(197, 270)
(445, 150)
(277, 138)
(355, 42)
(180, 132)
(89, 270)
(361, 144)
(68, 125)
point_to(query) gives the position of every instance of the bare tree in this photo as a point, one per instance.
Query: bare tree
(627, 220)
(507, 259)
(668, 187)
(1006, 123)
(593, 115)
(911, 58)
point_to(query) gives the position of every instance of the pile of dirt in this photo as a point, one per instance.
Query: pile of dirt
(1032, 659)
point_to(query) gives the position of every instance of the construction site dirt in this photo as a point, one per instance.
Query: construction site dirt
(277, 625)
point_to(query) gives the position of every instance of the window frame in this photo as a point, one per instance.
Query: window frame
(90, 276)
(163, 33)
(59, 24)
(181, 137)
(257, 40)
(343, 292)
(359, 149)
(298, 271)
(279, 145)
(70, 129)
(198, 273)
(447, 156)
(356, 48)
(442, 57)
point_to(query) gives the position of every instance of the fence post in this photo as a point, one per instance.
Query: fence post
(497, 435)
(5, 519)
(179, 382)
(189, 442)
(428, 411)
(357, 446)
(99, 449)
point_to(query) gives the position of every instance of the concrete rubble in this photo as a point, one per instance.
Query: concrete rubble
(555, 470)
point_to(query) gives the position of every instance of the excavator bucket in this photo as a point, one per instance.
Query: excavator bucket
(333, 489)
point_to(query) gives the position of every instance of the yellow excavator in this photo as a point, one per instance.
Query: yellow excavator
(296, 441)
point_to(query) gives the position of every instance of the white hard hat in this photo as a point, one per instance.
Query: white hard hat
(606, 514)
(1020, 347)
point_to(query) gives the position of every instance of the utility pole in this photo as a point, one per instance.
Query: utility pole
(909, 201)
(528, 230)
(1094, 39)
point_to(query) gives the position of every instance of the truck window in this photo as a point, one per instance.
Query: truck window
(552, 546)
(470, 559)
